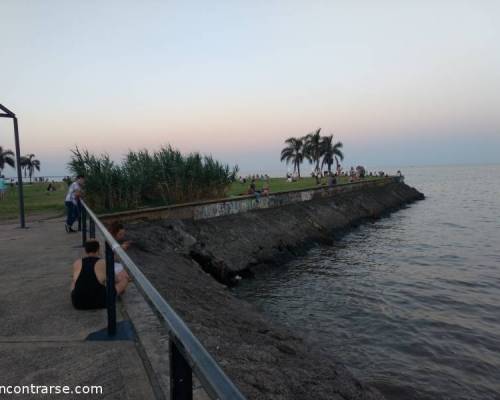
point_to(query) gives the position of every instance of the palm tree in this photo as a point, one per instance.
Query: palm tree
(331, 152)
(23, 166)
(30, 164)
(6, 158)
(294, 153)
(313, 148)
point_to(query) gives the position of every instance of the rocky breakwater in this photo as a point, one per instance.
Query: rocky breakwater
(267, 361)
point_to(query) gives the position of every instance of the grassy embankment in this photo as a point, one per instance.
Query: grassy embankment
(40, 202)
(281, 185)
(36, 201)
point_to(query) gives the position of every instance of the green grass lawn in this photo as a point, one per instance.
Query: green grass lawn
(36, 200)
(281, 184)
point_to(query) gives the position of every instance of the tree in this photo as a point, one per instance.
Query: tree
(6, 158)
(294, 153)
(30, 164)
(23, 166)
(331, 152)
(313, 149)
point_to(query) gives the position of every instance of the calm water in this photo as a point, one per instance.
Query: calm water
(410, 303)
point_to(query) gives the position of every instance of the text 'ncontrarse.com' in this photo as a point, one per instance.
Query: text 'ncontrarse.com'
(49, 389)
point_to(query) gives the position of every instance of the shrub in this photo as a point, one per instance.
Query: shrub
(143, 178)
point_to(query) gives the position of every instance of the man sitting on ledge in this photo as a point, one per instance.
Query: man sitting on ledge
(88, 288)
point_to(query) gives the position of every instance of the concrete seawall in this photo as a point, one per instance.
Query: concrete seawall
(231, 237)
(265, 360)
(241, 204)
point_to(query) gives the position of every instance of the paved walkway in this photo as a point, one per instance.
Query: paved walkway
(42, 338)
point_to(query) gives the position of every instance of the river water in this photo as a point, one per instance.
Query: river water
(409, 303)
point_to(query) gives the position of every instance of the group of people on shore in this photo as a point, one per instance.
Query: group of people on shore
(254, 177)
(5, 183)
(252, 189)
(88, 286)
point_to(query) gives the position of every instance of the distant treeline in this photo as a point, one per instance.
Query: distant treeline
(150, 178)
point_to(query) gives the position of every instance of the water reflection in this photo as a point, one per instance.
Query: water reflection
(411, 302)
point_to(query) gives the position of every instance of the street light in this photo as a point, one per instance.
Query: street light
(9, 114)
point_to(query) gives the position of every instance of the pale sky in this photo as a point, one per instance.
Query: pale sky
(398, 82)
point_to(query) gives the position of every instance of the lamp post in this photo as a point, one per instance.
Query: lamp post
(9, 114)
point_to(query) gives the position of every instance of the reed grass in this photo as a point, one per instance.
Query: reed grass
(146, 178)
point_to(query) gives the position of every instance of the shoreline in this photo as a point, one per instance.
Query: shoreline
(264, 359)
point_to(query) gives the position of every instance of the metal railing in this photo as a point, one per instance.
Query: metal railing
(187, 354)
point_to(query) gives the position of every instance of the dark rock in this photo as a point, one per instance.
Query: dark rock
(265, 360)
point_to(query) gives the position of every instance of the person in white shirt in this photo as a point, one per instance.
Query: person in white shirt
(71, 202)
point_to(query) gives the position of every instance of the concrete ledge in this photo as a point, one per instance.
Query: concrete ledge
(42, 337)
(116, 368)
(235, 205)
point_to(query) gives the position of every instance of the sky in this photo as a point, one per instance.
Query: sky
(398, 82)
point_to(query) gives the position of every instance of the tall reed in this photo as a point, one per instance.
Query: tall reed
(147, 178)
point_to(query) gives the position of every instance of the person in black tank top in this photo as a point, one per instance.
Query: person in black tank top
(88, 289)
(89, 292)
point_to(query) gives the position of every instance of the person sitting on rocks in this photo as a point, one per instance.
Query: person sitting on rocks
(118, 231)
(88, 288)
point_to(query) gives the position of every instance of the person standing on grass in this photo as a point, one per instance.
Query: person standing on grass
(3, 187)
(72, 202)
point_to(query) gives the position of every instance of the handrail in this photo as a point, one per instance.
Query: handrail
(187, 354)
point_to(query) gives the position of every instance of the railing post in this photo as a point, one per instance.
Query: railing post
(186, 352)
(83, 218)
(181, 375)
(19, 175)
(91, 228)
(110, 290)
(79, 210)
